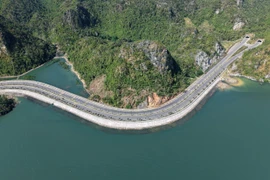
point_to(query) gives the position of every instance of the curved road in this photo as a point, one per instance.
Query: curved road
(117, 118)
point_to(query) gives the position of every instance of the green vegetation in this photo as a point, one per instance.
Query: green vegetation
(240, 50)
(20, 51)
(6, 105)
(28, 77)
(95, 33)
(64, 65)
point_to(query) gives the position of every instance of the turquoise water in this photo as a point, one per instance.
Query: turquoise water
(228, 139)
(54, 74)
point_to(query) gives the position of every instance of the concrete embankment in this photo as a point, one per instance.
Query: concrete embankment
(115, 124)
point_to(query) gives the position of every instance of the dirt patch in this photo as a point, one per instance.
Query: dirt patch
(155, 101)
(233, 81)
(223, 86)
(97, 87)
(132, 98)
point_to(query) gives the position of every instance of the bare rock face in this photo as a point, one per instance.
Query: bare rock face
(143, 105)
(234, 67)
(157, 54)
(219, 53)
(238, 25)
(267, 76)
(3, 48)
(239, 2)
(205, 61)
(79, 18)
(202, 60)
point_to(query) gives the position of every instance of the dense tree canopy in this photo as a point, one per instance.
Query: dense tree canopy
(94, 33)
(6, 105)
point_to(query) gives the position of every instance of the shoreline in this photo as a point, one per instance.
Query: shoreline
(18, 76)
(229, 82)
(117, 124)
(243, 76)
(15, 102)
(74, 71)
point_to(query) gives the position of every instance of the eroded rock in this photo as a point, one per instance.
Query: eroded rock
(238, 25)
(158, 55)
(202, 60)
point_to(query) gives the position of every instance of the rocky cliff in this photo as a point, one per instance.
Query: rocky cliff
(151, 51)
(204, 60)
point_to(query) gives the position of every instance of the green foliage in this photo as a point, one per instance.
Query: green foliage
(6, 105)
(183, 26)
(28, 77)
(24, 51)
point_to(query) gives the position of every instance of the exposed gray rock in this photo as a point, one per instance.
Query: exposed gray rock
(267, 76)
(238, 25)
(219, 53)
(158, 55)
(239, 2)
(202, 60)
(220, 50)
(7, 41)
(143, 105)
(234, 67)
(205, 61)
(3, 48)
(256, 66)
(143, 66)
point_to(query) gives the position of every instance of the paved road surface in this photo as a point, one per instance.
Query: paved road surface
(123, 118)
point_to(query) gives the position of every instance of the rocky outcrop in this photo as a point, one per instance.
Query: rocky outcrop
(220, 50)
(205, 61)
(143, 105)
(3, 47)
(267, 76)
(202, 60)
(219, 53)
(79, 18)
(238, 25)
(158, 55)
(239, 2)
(153, 101)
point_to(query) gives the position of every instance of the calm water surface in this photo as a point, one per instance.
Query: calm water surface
(228, 139)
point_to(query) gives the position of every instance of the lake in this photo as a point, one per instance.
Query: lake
(227, 139)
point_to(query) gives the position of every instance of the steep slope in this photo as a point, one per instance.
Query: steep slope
(94, 34)
(19, 50)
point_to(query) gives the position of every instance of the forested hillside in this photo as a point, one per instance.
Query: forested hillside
(105, 40)
(20, 51)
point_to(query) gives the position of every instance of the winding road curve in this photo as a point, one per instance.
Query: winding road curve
(125, 119)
